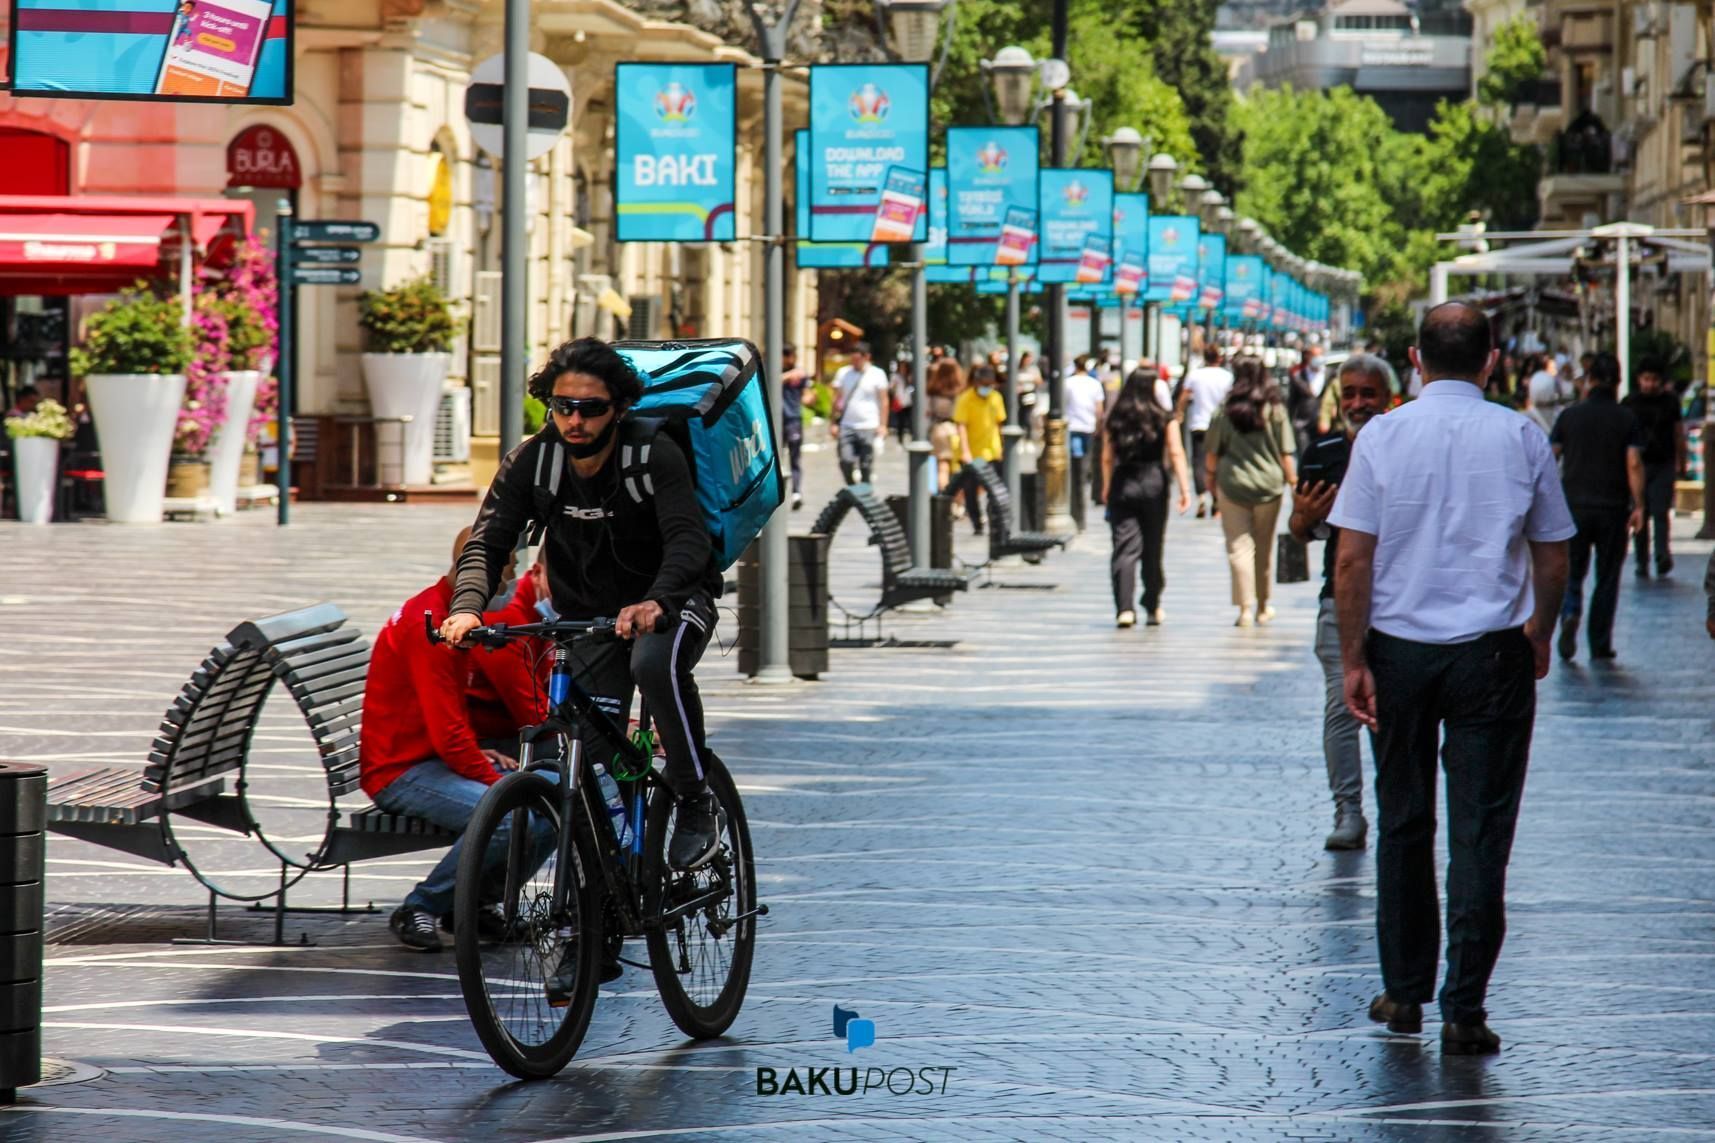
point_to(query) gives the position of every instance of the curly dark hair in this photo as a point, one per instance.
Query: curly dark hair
(598, 359)
(1252, 394)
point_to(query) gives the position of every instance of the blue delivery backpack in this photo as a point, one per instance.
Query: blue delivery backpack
(709, 395)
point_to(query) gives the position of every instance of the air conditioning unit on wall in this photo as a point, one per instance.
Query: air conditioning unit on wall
(452, 426)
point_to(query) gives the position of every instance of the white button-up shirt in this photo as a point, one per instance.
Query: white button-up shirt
(1453, 488)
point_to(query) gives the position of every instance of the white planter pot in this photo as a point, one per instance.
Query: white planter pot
(227, 447)
(38, 464)
(406, 385)
(135, 415)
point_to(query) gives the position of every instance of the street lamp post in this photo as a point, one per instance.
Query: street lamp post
(1011, 74)
(913, 26)
(1125, 156)
(1162, 168)
(775, 661)
(1053, 470)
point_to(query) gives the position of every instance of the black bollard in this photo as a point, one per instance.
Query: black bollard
(23, 814)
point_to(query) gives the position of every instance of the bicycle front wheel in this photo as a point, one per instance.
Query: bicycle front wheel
(702, 924)
(528, 958)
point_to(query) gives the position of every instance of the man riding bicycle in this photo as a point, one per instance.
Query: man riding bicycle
(646, 561)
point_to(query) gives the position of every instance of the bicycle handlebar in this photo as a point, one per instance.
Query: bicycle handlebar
(500, 634)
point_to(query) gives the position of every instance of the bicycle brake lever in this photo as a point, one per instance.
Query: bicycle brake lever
(429, 627)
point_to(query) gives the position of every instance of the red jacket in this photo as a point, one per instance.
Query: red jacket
(426, 700)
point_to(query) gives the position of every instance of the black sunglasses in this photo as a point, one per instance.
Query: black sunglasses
(590, 407)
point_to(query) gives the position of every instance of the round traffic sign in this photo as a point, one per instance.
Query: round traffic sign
(550, 105)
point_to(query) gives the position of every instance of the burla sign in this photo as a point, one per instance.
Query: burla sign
(262, 157)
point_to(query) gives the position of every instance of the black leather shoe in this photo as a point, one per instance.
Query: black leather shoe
(1469, 1040)
(1398, 1017)
(1568, 645)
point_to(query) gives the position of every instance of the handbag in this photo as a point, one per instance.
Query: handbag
(1291, 559)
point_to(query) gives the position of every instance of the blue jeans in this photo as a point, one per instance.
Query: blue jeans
(431, 791)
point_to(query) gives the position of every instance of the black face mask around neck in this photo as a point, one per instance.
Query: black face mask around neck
(594, 446)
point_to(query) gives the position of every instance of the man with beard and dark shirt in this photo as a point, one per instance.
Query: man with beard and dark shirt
(1600, 445)
(1366, 389)
(1657, 409)
(648, 563)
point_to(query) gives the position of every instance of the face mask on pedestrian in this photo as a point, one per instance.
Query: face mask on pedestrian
(984, 390)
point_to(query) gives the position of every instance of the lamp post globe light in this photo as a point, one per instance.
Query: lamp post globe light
(1162, 168)
(910, 29)
(1012, 78)
(1125, 155)
(1224, 220)
(1210, 205)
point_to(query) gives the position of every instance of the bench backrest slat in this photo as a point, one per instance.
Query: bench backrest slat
(1000, 502)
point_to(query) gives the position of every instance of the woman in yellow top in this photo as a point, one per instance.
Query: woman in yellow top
(979, 413)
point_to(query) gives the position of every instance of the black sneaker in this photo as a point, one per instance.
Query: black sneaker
(415, 929)
(696, 830)
(1662, 568)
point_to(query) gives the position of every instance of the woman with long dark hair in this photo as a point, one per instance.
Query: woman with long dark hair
(1140, 442)
(1248, 457)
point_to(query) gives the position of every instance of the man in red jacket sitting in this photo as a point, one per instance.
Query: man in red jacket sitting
(439, 727)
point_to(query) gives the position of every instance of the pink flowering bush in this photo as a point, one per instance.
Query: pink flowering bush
(204, 408)
(234, 326)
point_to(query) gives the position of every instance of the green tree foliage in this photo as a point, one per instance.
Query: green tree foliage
(1516, 60)
(1316, 164)
(1177, 34)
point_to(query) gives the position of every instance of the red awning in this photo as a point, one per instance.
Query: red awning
(79, 244)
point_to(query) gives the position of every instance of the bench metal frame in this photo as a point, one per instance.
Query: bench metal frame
(1003, 541)
(901, 583)
(205, 740)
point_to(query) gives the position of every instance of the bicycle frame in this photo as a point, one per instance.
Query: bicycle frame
(573, 708)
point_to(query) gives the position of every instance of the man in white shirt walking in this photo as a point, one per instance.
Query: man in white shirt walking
(860, 414)
(1085, 399)
(1452, 564)
(1205, 391)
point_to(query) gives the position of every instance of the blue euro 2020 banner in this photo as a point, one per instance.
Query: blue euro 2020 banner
(1211, 270)
(990, 171)
(866, 121)
(1172, 259)
(824, 255)
(1241, 286)
(1131, 243)
(202, 51)
(675, 133)
(1075, 205)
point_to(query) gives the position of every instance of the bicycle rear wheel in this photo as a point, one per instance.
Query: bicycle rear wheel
(504, 973)
(701, 956)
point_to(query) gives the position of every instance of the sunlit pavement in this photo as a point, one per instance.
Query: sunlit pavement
(1073, 876)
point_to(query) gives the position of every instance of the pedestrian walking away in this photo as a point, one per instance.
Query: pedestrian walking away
(1200, 398)
(1600, 445)
(1140, 446)
(860, 414)
(1451, 566)
(1248, 462)
(1366, 387)
(792, 382)
(1084, 399)
(1657, 410)
(946, 382)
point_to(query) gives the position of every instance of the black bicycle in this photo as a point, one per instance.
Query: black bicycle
(553, 880)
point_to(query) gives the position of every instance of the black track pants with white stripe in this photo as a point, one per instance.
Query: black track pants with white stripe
(660, 666)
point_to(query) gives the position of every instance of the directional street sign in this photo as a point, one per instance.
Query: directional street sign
(326, 275)
(330, 230)
(328, 255)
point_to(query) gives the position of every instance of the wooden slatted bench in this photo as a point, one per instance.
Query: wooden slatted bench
(901, 583)
(1003, 541)
(204, 744)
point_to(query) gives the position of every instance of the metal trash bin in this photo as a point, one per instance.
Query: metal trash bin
(23, 818)
(940, 525)
(806, 607)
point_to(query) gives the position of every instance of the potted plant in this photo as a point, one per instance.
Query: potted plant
(248, 343)
(36, 438)
(133, 358)
(408, 331)
(204, 408)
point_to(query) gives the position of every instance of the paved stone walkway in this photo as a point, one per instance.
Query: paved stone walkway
(1073, 875)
